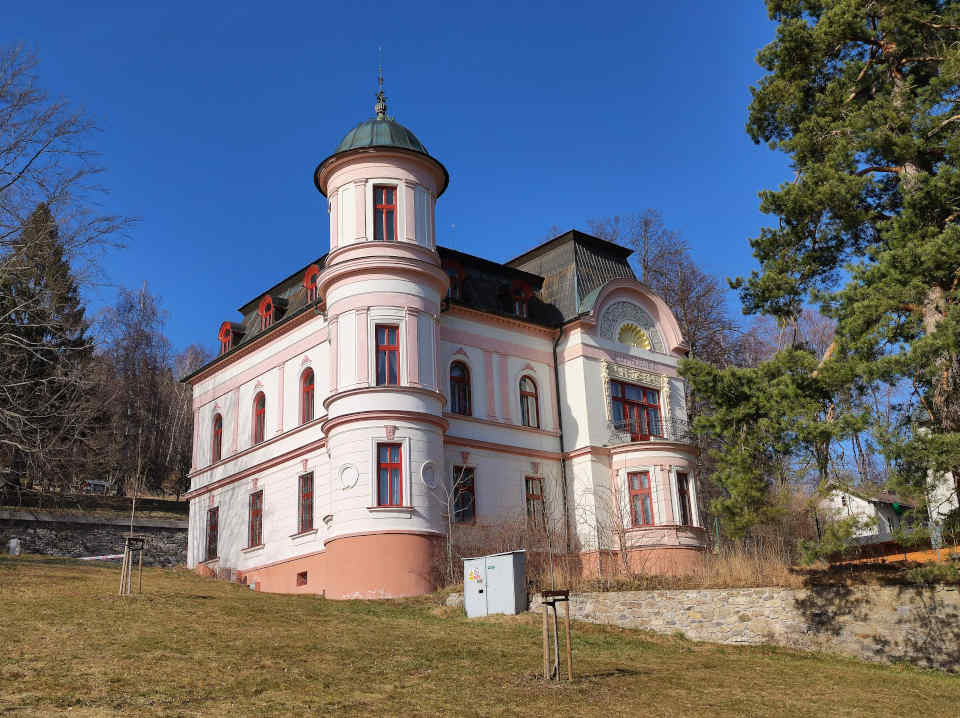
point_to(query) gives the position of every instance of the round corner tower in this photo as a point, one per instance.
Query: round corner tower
(382, 285)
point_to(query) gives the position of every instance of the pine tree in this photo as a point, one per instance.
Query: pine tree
(44, 393)
(864, 97)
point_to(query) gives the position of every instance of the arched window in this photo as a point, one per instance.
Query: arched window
(306, 396)
(529, 406)
(265, 310)
(460, 388)
(217, 439)
(310, 282)
(259, 417)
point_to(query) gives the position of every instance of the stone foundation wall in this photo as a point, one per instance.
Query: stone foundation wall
(77, 534)
(920, 625)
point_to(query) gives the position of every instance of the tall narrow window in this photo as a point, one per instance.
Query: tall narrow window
(389, 475)
(464, 494)
(217, 450)
(259, 417)
(255, 535)
(384, 213)
(213, 523)
(306, 396)
(536, 516)
(265, 310)
(636, 409)
(225, 335)
(310, 282)
(529, 405)
(683, 497)
(460, 388)
(305, 522)
(388, 355)
(641, 506)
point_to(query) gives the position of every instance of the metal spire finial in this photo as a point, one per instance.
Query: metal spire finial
(381, 107)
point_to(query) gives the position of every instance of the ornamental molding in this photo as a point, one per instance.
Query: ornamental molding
(620, 313)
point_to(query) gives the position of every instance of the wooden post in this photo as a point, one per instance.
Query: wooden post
(555, 668)
(123, 570)
(140, 588)
(566, 611)
(546, 644)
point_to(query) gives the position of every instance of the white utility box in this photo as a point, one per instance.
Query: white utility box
(495, 584)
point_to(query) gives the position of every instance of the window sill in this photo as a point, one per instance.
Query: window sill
(301, 534)
(391, 511)
(252, 549)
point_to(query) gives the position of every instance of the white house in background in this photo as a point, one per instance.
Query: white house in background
(881, 513)
(350, 392)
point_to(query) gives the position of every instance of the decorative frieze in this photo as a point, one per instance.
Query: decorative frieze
(620, 313)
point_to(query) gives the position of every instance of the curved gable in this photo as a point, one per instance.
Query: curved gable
(626, 302)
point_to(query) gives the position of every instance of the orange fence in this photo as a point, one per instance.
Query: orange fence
(892, 552)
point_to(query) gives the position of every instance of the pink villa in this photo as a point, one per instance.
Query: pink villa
(351, 393)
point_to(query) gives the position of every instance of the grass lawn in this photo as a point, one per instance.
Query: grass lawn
(194, 646)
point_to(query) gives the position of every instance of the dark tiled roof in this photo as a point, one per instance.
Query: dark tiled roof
(559, 273)
(573, 265)
(488, 287)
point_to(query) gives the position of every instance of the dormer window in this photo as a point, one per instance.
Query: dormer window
(520, 293)
(229, 335)
(310, 282)
(265, 310)
(384, 213)
(457, 275)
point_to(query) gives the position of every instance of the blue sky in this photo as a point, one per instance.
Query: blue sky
(214, 117)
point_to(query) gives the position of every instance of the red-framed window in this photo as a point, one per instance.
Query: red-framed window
(388, 354)
(302, 578)
(641, 502)
(683, 498)
(520, 293)
(216, 452)
(389, 475)
(255, 534)
(265, 310)
(529, 403)
(213, 530)
(310, 282)
(259, 417)
(305, 503)
(460, 388)
(456, 274)
(464, 494)
(636, 409)
(536, 516)
(306, 395)
(225, 335)
(384, 213)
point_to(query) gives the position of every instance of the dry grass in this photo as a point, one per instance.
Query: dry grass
(191, 646)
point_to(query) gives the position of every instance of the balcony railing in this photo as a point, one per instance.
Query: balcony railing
(625, 431)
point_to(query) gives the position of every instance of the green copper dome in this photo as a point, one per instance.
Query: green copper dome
(380, 133)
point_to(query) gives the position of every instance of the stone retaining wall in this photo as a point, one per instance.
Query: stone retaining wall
(76, 534)
(920, 625)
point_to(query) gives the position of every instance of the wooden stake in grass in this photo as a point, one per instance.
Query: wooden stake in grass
(550, 600)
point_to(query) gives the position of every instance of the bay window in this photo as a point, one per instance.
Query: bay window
(636, 409)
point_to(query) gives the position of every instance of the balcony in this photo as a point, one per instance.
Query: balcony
(628, 431)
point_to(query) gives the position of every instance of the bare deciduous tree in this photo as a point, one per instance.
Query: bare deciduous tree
(49, 237)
